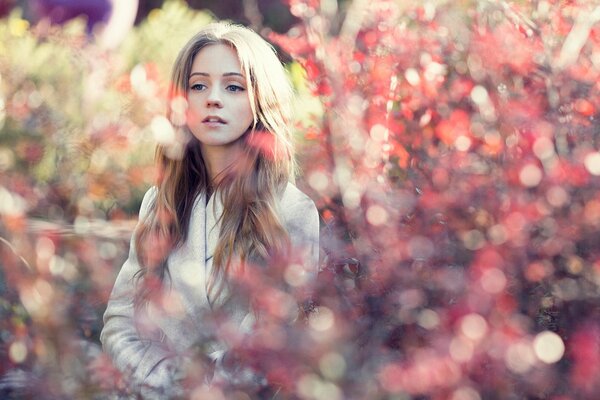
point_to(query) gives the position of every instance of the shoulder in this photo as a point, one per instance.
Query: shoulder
(148, 200)
(295, 205)
(301, 220)
(294, 199)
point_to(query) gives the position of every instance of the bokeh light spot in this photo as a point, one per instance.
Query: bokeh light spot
(163, 130)
(519, 357)
(377, 215)
(332, 365)
(473, 326)
(461, 349)
(473, 239)
(322, 319)
(11, 203)
(44, 248)
(179, 107)
(592, 163)
(497, 234)
(543, 148)
(379, 133)
(479, 95)
(530, 175)
(17, 352)
(351, 197)
(310, 386)
(412, 76)
(493, 280)
(465, 393)
(428, 319)
(462, 143)
(548, 347)
(7, 158)
(318, 181)
(138, 77)
(557, 196)
(295, 275)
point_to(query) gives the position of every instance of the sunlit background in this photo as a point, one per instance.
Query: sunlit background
(452, 149)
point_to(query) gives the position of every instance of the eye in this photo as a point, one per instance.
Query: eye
(198, 86)
(235, 88)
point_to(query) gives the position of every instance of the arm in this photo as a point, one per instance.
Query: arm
(301, 220)
(149, 363)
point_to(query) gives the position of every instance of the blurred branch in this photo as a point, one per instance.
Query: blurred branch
(253, 14)
(12, 249)
(577, 37)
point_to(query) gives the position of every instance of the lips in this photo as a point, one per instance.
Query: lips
(213, 119)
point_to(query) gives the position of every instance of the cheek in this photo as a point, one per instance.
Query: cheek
(192, 117)
(246, 113)
(248, 122)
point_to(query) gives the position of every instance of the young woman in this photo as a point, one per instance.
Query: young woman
(222, 212)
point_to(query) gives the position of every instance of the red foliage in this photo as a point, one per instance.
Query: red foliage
(456, 170)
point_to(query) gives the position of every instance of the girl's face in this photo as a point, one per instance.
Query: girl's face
(219, 109)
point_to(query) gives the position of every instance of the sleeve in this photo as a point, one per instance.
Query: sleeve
(302, 223)
(300, 218)
(148, 363)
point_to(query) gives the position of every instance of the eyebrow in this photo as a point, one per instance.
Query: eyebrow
(225, 74)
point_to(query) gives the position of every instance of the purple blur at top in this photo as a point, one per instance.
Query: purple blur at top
(60, 11)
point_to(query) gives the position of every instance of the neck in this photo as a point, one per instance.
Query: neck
(220, 158)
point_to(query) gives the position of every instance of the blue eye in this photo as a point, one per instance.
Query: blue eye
(198, 86)
(235, 88)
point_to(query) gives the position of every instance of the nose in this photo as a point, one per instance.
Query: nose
(214, 99)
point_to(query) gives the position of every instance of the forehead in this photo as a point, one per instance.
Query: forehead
(216, 59)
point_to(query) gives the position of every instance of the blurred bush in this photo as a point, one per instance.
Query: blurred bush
(76, 120)
(457, 170)
(452, 148)
(77, 136)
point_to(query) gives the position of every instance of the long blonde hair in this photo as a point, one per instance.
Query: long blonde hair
(249, 225)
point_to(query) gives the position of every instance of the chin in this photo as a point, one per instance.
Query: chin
(212, 142)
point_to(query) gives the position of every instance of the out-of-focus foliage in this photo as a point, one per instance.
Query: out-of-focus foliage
(78, 125)
(270, 14)
(454, 160)
(457, 161)
(77, 120)
(60, 11)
